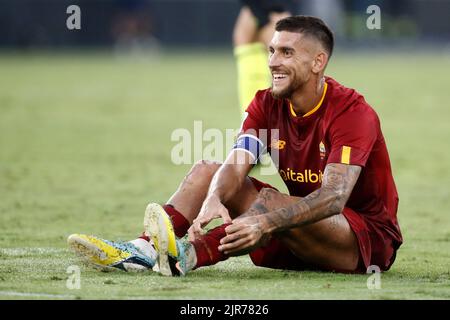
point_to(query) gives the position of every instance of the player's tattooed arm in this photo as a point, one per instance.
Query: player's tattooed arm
(254, 228)
(329, 199)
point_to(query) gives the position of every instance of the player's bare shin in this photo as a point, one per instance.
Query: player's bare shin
(226, 182)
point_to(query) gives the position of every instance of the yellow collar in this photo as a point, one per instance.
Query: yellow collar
(313, 109)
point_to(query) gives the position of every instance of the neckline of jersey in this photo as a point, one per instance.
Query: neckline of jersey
(313, 110)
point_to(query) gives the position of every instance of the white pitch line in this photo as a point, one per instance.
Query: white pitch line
(34, 294)
(30, 251)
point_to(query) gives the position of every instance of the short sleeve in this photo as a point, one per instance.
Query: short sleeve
(255, 120)
(352, 136)
(255, 117)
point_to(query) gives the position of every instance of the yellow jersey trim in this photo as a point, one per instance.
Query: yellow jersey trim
(313, 109)
(345, 156)
(292, 110)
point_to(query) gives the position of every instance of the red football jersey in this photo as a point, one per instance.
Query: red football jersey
(342, 128)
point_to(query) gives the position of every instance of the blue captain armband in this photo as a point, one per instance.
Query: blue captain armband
(251, 144)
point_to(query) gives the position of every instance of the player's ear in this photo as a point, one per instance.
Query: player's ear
(320, 62)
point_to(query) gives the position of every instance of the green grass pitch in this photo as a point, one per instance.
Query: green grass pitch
(85, 145)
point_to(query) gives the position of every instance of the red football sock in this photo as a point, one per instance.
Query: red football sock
(143, 236)
(207, 247)
(180, 223)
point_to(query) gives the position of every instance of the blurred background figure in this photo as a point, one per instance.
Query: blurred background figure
(132, 28)
(330, 11)
(252, 33)
(135, 25)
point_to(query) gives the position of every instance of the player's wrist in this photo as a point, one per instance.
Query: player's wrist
(268, 227)
(273, 222)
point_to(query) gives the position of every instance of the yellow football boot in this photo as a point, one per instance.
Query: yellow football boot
(107, 254)
(175, 256)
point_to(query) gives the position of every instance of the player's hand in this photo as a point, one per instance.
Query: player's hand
(212, 208)
(244, 235)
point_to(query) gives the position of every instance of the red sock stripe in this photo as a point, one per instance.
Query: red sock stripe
(179, 222)
(143, 236)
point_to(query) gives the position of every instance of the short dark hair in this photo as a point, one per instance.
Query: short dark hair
(310, 26)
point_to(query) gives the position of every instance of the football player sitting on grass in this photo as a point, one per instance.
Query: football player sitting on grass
(341, 211)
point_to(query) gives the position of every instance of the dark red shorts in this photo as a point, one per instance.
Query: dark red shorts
(376, 247)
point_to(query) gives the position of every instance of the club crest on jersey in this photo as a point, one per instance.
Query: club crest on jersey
(278, 144)
(322, 150)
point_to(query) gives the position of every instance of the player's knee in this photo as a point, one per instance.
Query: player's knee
(204, 168)
(272, 198)
(266, 194)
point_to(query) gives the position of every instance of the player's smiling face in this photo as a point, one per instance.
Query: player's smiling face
(291, 58)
